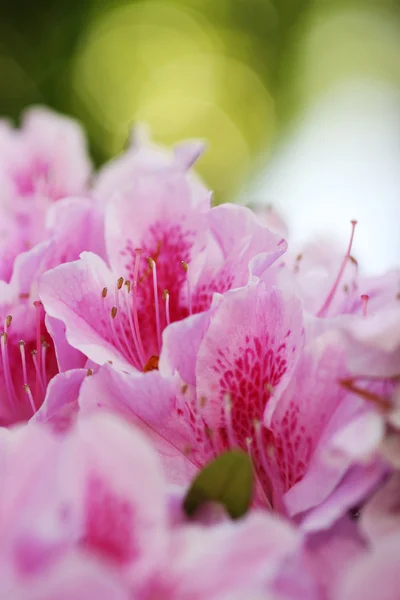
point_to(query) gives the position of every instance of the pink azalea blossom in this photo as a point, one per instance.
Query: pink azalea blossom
(99, 490)
(33, 349)
(41, 162)
(164, 263)
(246, 380)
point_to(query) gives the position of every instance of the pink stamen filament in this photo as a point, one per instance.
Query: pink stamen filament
(36, 363)
(364, 300)
(116, 339)
(116, 312)
(189, 290)
(7, 374)
(166, 298)
(250, 451)
(153, 267)
(23, 361)
(44, 372)
(324, 308)
(37, 304)
(139, 253)
(138, 359)
(30, 397)
(277, 501)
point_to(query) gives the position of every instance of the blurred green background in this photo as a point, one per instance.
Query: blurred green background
(233, 71)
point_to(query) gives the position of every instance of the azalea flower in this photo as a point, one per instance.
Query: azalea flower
(79, 493)
(247, 381)
(33, 348)
(43, 161)
(165, 262)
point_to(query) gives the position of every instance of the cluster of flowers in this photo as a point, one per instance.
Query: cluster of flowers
(144, 333)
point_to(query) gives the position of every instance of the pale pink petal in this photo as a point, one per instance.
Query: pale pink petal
(250, 348)
(74, 576)
(181, 342)
(244, 246)
(60, 406)
(353, 489)
(374, 575)
(188, 152)
(381, 515)
(60, 141)
(212, 561)
(67, 356)
(149, 402)
(72, 293)
(119, 504)
(330, 553)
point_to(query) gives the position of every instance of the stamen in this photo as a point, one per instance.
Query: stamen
(153, 267)
(139, 253)
(7, 373)
(35, 356)
(118, 313)
(7, 322)
(384, 403)
(166, 298)
(364, 300)
(30, 397)
(324, 308)
(259, 485)
(117, 341)
(37, 304)
(277, 501)
(152, 364)
(128, 310)
(23, 360)
(45, 345)
(299, 258)
(189, 291)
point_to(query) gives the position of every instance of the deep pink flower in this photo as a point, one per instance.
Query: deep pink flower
(33, 349)
(246, 380)
(168, 254)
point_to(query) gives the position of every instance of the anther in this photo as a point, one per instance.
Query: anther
(104, 292)
(152, 364)
(8, 320)
(114, 312)
(89, 372)
(364, 300)
(166, 298)
(185, 267)
(120, 282)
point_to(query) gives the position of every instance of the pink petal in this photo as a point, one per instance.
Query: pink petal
(148, 401)
(60, 406)
(72, 293)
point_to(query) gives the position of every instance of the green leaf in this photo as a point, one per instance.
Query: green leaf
(227, 480)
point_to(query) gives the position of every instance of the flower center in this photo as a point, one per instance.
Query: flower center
(25, 367)
(128, 317)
